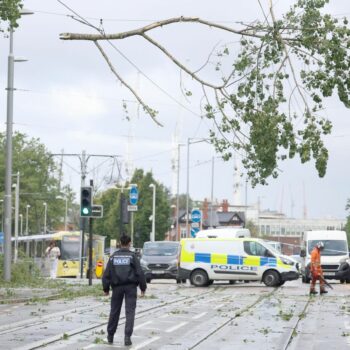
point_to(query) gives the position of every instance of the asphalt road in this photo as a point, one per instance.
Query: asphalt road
(171, 316)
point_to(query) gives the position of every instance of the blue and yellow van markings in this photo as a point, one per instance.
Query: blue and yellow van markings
(227, 259)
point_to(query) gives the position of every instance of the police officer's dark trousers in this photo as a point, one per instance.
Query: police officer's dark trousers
(129, 292)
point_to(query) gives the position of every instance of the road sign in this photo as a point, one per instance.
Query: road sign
(133, 195)
(196, 215)
(194, 231)
(132, 207)
(195, 224)
(97, 211)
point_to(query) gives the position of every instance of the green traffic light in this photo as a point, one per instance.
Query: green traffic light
(85, 211)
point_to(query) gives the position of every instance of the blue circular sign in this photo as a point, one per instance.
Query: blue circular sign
(133, 195)
(196, 215)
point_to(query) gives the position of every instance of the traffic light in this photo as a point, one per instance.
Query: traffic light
(86, 201)
(124, 210)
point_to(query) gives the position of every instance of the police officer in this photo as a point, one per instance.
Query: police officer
(123, 274)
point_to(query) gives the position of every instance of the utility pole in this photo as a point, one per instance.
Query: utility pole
(82, 220)
(90, 243)
(8, 158)
(8, 168)
(83, 157)
(16, 217)
(212, 193)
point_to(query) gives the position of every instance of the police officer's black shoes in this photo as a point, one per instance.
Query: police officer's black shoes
(323, 292)
(127, 341)
(110, 339)
(313, 292)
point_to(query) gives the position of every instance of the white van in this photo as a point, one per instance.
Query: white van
(335, 250)
(203, 260)
(229, 232)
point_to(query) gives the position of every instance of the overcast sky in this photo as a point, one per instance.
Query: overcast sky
(68, 97)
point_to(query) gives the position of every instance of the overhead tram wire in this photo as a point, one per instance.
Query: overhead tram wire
(132, 20)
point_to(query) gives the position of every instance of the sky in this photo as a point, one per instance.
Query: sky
(67, 96)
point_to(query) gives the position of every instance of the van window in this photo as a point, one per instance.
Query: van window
(331, 247)
(256, 249)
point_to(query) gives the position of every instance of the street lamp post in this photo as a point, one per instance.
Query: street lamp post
(188, 179)
(27, 244)
(45, 216)
(27, 211)
(8, 156)
(153, 234)
(21, 224)
(178, 232)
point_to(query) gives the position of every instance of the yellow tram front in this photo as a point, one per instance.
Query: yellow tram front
(70, 247)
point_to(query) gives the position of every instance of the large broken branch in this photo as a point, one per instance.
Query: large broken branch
(142, 30)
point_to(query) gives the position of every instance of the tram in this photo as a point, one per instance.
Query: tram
(69, 243)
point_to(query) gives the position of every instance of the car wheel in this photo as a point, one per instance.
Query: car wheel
(178, 281)
(347, 281)
(232, 282)
(342, 281)
(210, 282)
(281, 283)
(199, 278)
(271, 278)
(183, 280)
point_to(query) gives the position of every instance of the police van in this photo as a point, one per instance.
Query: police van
(203, 260)
(225, 232)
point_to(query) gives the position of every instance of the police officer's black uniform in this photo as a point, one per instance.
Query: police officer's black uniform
(123, 274)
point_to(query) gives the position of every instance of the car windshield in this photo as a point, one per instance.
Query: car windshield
(331, 247)
(160, 249)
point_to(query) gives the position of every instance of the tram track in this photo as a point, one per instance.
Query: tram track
(238, 313)
(293, 330)
(286, 337)
(53, 339)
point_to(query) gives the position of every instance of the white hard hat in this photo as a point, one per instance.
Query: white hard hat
(320, 245)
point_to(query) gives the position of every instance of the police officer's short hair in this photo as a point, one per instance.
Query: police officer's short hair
(125, 240)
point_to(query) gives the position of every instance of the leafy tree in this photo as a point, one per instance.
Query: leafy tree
(142, 223)
(110, 199)
(268, 100)
(254, 230)
(10, 11)
(38, 182)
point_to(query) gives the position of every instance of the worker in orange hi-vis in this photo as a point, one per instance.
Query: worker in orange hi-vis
(316, 269)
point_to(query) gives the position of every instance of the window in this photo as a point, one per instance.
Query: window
(255, 248)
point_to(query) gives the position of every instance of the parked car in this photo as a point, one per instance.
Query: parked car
(160, 259)
(343, 273)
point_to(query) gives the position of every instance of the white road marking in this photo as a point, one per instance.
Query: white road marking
(171, 329)
(142, 324)
(141, 345)
(199, 316)
(218, 306)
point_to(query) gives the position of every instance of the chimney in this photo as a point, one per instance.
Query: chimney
(224, 206)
